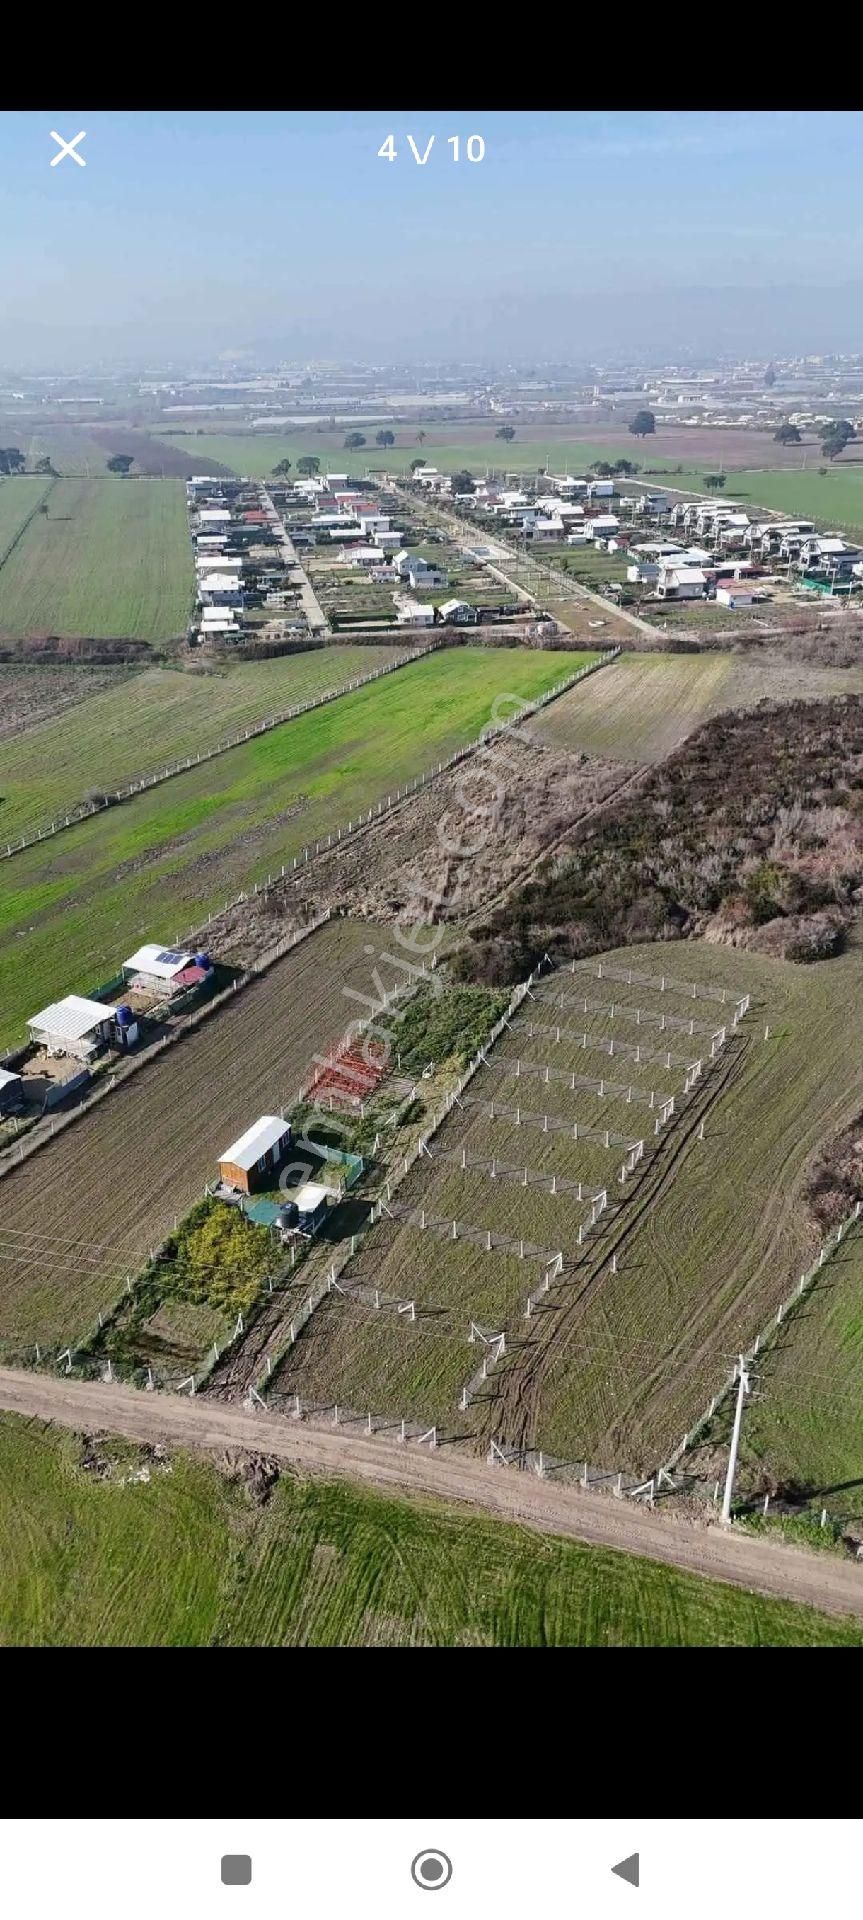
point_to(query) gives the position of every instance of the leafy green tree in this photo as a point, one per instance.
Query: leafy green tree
(383, 438)
(284, 466)
(416, 464)
(45, 464)
(788, 435)
(770, 377)
(420, 438)
(643, 424)
(624, 469)
(355, 439)
(505, 433)
(120, 463)
(836, 437)
(308, 465)
(602, 469)
(463, 482)
(11, 460)
(714, 482)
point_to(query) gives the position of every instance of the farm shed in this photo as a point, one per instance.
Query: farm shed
(11, 1092)
(256, 1153)
(74, 1026)
(157, 969)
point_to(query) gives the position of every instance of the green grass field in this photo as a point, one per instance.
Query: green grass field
(157, 717)
(19, 496)
(643, 705)
(806, 1426)
(254, 455)
(187, 1559)
(72, 908)
(109, 560)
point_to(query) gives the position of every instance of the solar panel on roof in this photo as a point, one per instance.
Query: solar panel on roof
(169, 958)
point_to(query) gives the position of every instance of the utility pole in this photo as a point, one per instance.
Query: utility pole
(742, 1391)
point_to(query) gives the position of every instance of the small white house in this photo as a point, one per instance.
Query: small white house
(212, 517)
(220, 616)
(156, 968)
(600, 490)
(681, 583)
(411, 613)
(74, 1026)
(209, 562)
(421, 576)
(220, 590)
(735, 593)
(603, 527)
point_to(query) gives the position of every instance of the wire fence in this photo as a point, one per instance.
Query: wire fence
(764, 1339)
(147, 781)
(12, 1155)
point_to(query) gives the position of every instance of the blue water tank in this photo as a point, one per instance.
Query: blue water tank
(125, 1017)
(203, 961)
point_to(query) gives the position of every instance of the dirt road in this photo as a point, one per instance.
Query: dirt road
(834, 1585)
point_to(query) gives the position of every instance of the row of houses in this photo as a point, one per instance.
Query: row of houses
(237, 543)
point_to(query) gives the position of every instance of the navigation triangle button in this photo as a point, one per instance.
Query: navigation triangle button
(628, 1869)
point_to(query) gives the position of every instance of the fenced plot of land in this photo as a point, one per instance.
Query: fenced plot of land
(137, 729)
(544, 1148)
(805, 1431)
(191, 1559)
(457, 842)
(644, 705)
(109, 560)
(637, 1359)
(159, 863)
(85, 1209)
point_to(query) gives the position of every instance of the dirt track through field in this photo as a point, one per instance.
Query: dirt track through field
(821, 1581)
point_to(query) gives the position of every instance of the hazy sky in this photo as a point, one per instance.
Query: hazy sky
(578, 235)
